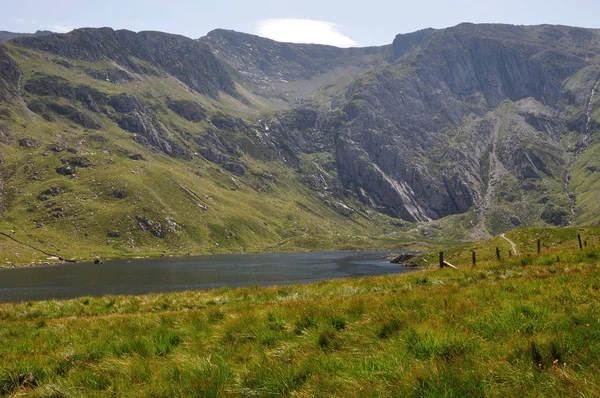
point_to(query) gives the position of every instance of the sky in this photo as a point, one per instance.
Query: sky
(340, 23)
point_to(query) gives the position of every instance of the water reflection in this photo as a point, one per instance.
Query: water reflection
(187, 273)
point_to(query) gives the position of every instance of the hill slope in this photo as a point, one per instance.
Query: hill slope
(117, 143)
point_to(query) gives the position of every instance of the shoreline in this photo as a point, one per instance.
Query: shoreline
(410, 247)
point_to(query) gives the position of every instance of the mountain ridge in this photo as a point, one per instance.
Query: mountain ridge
(467, 131)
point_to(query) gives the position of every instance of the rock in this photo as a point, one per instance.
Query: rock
(76, 151)
(66, 170)
(195, 65)
(402, 258)
(555, 215)
(97, 261)
(189, 110)
(141, 120)
(28, 143)
(113, 234)
(137, 156)
(125, 103)
(119, 194)
(514, 221)
(77, 162)
(236, 168)
(53, 191)
(154, 227)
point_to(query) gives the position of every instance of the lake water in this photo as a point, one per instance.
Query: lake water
(165, 274)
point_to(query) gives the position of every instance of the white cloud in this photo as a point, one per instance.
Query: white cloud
(61, 29)
(303, 31)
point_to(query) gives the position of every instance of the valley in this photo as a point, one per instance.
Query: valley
(128, 154)
(150, 143)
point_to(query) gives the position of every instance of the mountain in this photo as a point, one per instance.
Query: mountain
(487, 118)
(6, 36)
(116, 142)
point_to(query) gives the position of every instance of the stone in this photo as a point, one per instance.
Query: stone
(28, 143)
(66, 170)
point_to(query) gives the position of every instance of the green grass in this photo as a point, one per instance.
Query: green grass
(526, 326)
(551, 239)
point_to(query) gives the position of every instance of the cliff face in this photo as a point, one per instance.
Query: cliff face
(188, 60)
(495, 125)
(9, 76)
(290, 72)
(422, 130)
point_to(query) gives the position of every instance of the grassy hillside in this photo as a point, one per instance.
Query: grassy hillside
(126, 199)
(527, 326)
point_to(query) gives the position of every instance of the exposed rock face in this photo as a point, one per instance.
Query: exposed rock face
(28, 143)
(9, 76)
(66, 170)
(409, 113)
(474, 117)
(198, 67)
(269, 66)
(154, 227)
(6, 36)
(188, 110)
(141, 120)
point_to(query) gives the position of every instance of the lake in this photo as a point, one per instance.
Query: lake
(167, 274)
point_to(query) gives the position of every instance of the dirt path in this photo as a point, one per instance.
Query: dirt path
(512, 244)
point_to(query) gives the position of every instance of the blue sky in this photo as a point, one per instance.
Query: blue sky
(342, 23)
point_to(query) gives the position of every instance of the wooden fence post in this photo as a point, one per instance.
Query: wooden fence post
(509, 253)
(474, 258)
(498, 254)
(441, 259)
(539, 246)
(579, 240)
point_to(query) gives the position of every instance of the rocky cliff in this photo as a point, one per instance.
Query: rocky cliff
(188, 60)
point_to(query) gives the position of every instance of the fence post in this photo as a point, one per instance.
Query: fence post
(474, 258)
(498, 254)
(539, 246)
(579, 240)
(441, 259)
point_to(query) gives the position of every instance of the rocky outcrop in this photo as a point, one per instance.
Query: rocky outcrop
(56, 86)
(400, 152)
(10, 76)
(139, 119)
(474, 117)
(50, 111)
(154, 227)
(189, 110)
(267, 65)
(197, 66)
(6, 36)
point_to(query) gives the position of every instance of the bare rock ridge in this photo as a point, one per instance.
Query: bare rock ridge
(483, 120)
(6, 36)
(189, 60)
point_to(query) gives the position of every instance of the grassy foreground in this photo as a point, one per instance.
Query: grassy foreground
(528, 326)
